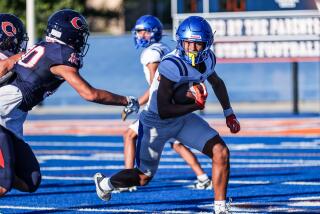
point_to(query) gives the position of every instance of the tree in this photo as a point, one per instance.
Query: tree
(43, 9)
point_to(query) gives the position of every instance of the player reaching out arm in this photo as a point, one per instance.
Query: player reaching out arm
(38, 74)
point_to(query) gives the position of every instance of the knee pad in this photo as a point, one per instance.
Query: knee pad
(208, 147)
(126, 178)
(35, 181)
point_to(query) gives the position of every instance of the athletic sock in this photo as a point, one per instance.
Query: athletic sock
(105, 184)
(203, 177)
(219, 206)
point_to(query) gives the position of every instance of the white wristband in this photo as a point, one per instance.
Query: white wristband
(228, 112)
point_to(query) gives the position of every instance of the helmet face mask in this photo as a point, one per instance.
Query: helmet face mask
(13, 36)
(194, 29)
(71, 28)
(149, 24)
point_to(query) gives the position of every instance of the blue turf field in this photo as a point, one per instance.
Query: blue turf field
(268, 175)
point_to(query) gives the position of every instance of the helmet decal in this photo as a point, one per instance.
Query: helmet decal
(13, 37)
(8, 28)
(77, 23)
(69, 27)
(195, 37)
(139, 27)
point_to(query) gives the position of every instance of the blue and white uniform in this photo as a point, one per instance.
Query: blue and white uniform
(152, 54)
(190, 129)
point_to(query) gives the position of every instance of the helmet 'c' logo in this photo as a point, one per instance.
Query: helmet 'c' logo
(77, 23)
(8, 28)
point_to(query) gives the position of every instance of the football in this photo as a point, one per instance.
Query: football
(184, 94)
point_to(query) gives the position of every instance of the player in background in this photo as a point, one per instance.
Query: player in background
(147, 34)
(13, 41)
(38, 74)
(192, 60)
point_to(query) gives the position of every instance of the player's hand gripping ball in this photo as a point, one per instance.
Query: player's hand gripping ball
(189, 93)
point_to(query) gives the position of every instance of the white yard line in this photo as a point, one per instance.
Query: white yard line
(70, 209)
(71, 178)
(302, 183)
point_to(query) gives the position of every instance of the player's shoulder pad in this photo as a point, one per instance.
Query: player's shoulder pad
(173, 68)
(70, 57)
(212, 58)
(61, 54)
(151, 54)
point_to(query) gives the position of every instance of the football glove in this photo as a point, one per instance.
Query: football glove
(200, 96)
(232, 123)
(133, 106)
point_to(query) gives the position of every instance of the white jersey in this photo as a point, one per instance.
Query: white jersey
(178, 71)
(152, 54)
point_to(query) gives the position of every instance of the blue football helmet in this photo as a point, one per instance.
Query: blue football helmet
(70, 27)
(148, 23)
(13, 36)
(196, 29)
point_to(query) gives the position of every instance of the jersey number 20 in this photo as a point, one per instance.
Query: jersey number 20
(32, 57)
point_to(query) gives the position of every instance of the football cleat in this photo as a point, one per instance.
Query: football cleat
(104, 195)
(206, 184)
(227, 209)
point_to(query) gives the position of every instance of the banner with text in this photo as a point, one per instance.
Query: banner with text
(267, 36)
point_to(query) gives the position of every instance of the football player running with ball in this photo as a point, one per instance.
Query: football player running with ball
(192, 60)
(38, 74)
(147, 34)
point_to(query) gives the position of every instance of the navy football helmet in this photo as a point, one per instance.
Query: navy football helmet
(70, 27)
(148, 23)
(13, 36)
(196, 29)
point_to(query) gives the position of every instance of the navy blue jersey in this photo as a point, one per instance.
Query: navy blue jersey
(34, 77)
